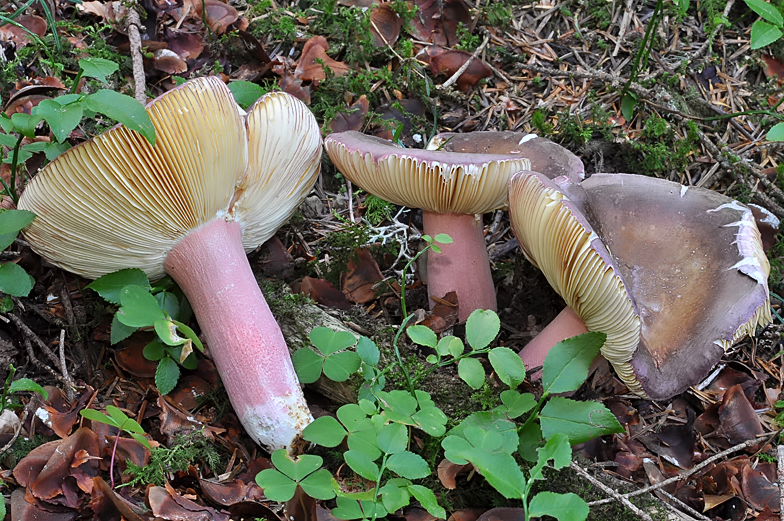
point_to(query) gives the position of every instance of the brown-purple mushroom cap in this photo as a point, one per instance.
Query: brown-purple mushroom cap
(674, 275)
(546, 157)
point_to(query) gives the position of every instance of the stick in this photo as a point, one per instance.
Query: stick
(628, 504)
(465, 66)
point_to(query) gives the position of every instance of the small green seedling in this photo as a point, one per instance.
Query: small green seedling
(13, 386)
(330, 356)
(280, 483)
(145, 307)
(117, 418)
(14, 280)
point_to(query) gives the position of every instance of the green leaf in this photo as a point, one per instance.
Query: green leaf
(120, 331)
(566, 365)
(276, 486)
(422, 335)
(11, 221)
(25, 123)
(25, 384)
(766, 11)
(141, 439)
(394, 494)
(338, 367)
(349, 509)
(776, 133)
(443, 238)
(517, 404)
(482, 327)
(354, 417)
(7, 239)
(325, 431)
(581, 421)
(329, 341)
(408, 465)
(484, 439)
(15, 281)
(628, 102)
(530, 439)
(557, 449)
(54, 149)
(139, 307)
(472, 372)
(435, 248)
(307, 364)
(393, 438)
(401, 403)
(154, 350)
(190, 334)
(368, 351)
(98, 68)
(491, 421)
(168, 302)
(361, 463)
(246, 93)
(432, 420)
(508, 366)
(167, 331)
(450, 345)
(501, 471)
(96, 416)
(297, 469)
(62, 119)
(762, 34)
(166, 375)
(365, 442)
(123, 109)
(428, 500)
(455, 447)
(318, 485)
(110, 285)
(564, 507)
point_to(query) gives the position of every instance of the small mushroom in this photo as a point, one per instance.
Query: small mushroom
(215, 185)
(453, 190)
(674, 275)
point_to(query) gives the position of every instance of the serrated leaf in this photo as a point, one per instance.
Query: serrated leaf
(581, 421)
(408, 465)
(482, 327)
(110, 285)
(432, 420)
(318, 485)
(307, 364)
(98, 68)
(763, 33)
(329, 341)
(394, 494)
(422, 335)
(508, 366)
(766, 11)
(123, 109)
(501, 471)
(246, 93)
(276, 486)
(564, 507)
(338, 367)
(368, 351)
(364, 441)
(776, 133)
(11, 221)
(455, 447)
(325, 431)
(392, 438)
(399, 402)
(120, 331)
(491, 421)
(139, 308)
(166, 375)
(428, 500)
(15, 281)
(361, 463)
(567, 363)
(471, 372)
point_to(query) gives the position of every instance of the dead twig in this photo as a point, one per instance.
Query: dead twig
(465, 66)
(625, 501)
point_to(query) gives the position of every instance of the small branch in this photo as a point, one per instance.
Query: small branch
(465, 66)
(684, 506)
(628, 504)
(780, 468)
(132, 24)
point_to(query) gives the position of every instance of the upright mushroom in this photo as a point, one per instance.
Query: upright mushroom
(453, 190)
(214, 186)
(674, 275)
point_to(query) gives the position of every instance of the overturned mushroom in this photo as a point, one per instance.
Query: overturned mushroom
(453, 190)
(674, 275)
(214, 186)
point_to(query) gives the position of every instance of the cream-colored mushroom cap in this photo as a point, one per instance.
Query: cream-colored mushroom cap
(673, 275)
(117, 202)
(436, 181)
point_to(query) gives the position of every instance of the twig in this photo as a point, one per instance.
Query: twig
(686, 474)
(628, 504)
(627, 13)
(69, 388)
(465, 66)
(132, 24)
(780, 469)
(30, 335)
(17, 430)
(683, 505)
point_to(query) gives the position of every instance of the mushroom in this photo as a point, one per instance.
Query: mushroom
(214, 186)
(453, 190)
(674, 275)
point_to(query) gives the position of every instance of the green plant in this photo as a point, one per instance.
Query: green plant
(145, 307)
(280, 483)
(14, 280)
(628, 98)
(14, 386)
(118, 419)
(185, 450)
(770, 28)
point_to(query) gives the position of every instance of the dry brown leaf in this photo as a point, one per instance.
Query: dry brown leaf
(362, 273)
(310, 66)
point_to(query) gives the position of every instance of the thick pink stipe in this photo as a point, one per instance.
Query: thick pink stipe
(462, 266)
(566, 325)
(242, 336)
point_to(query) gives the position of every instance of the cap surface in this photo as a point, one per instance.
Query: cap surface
(436, 181)
(548, 158)
(116, 202)
(692, 273)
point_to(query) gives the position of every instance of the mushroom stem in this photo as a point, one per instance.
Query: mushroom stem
(244, 340)
(462, 266)
(566, 325)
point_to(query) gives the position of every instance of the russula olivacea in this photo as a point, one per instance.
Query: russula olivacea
(216, 185)
(452, 189)
(674, 275)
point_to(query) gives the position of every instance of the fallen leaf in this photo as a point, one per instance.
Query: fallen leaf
(503, 514)
(324, 293)
(448, 472)
(385, 25)
(352, 118)
(443, 315)
(467, 514)
(313, 60)
(108, 506)
(301, 507)
(275, 260)
(758, 490)
(190, 388)
(437, 21)
(167, 504)
(447, 62)
(22, 510)
(19, 36)
(738, 421)
(362, 273)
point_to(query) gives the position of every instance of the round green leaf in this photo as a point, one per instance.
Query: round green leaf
(472, 372)
(408, 465)
(307, 364)
(339, 366)
(443, 238)
(328, 341)
(517, 404)
(154, 350)
(422, 335)
(354, 417)
(276, 486)
(564, 507)
(325, 431)
(482, 327)
(368, 351)
(776, 132)
(15, 281)
(432, 420)
(508, 366)
(318, 485)
(393, 438)
(365, 442)
(361, 464)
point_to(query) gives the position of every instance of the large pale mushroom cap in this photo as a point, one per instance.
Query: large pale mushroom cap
(673, 275)
(546, 157)
(436, 181)
(116, 202)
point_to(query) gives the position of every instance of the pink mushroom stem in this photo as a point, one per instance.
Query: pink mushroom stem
(242, 336)
(566, 325)
(462, 266)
